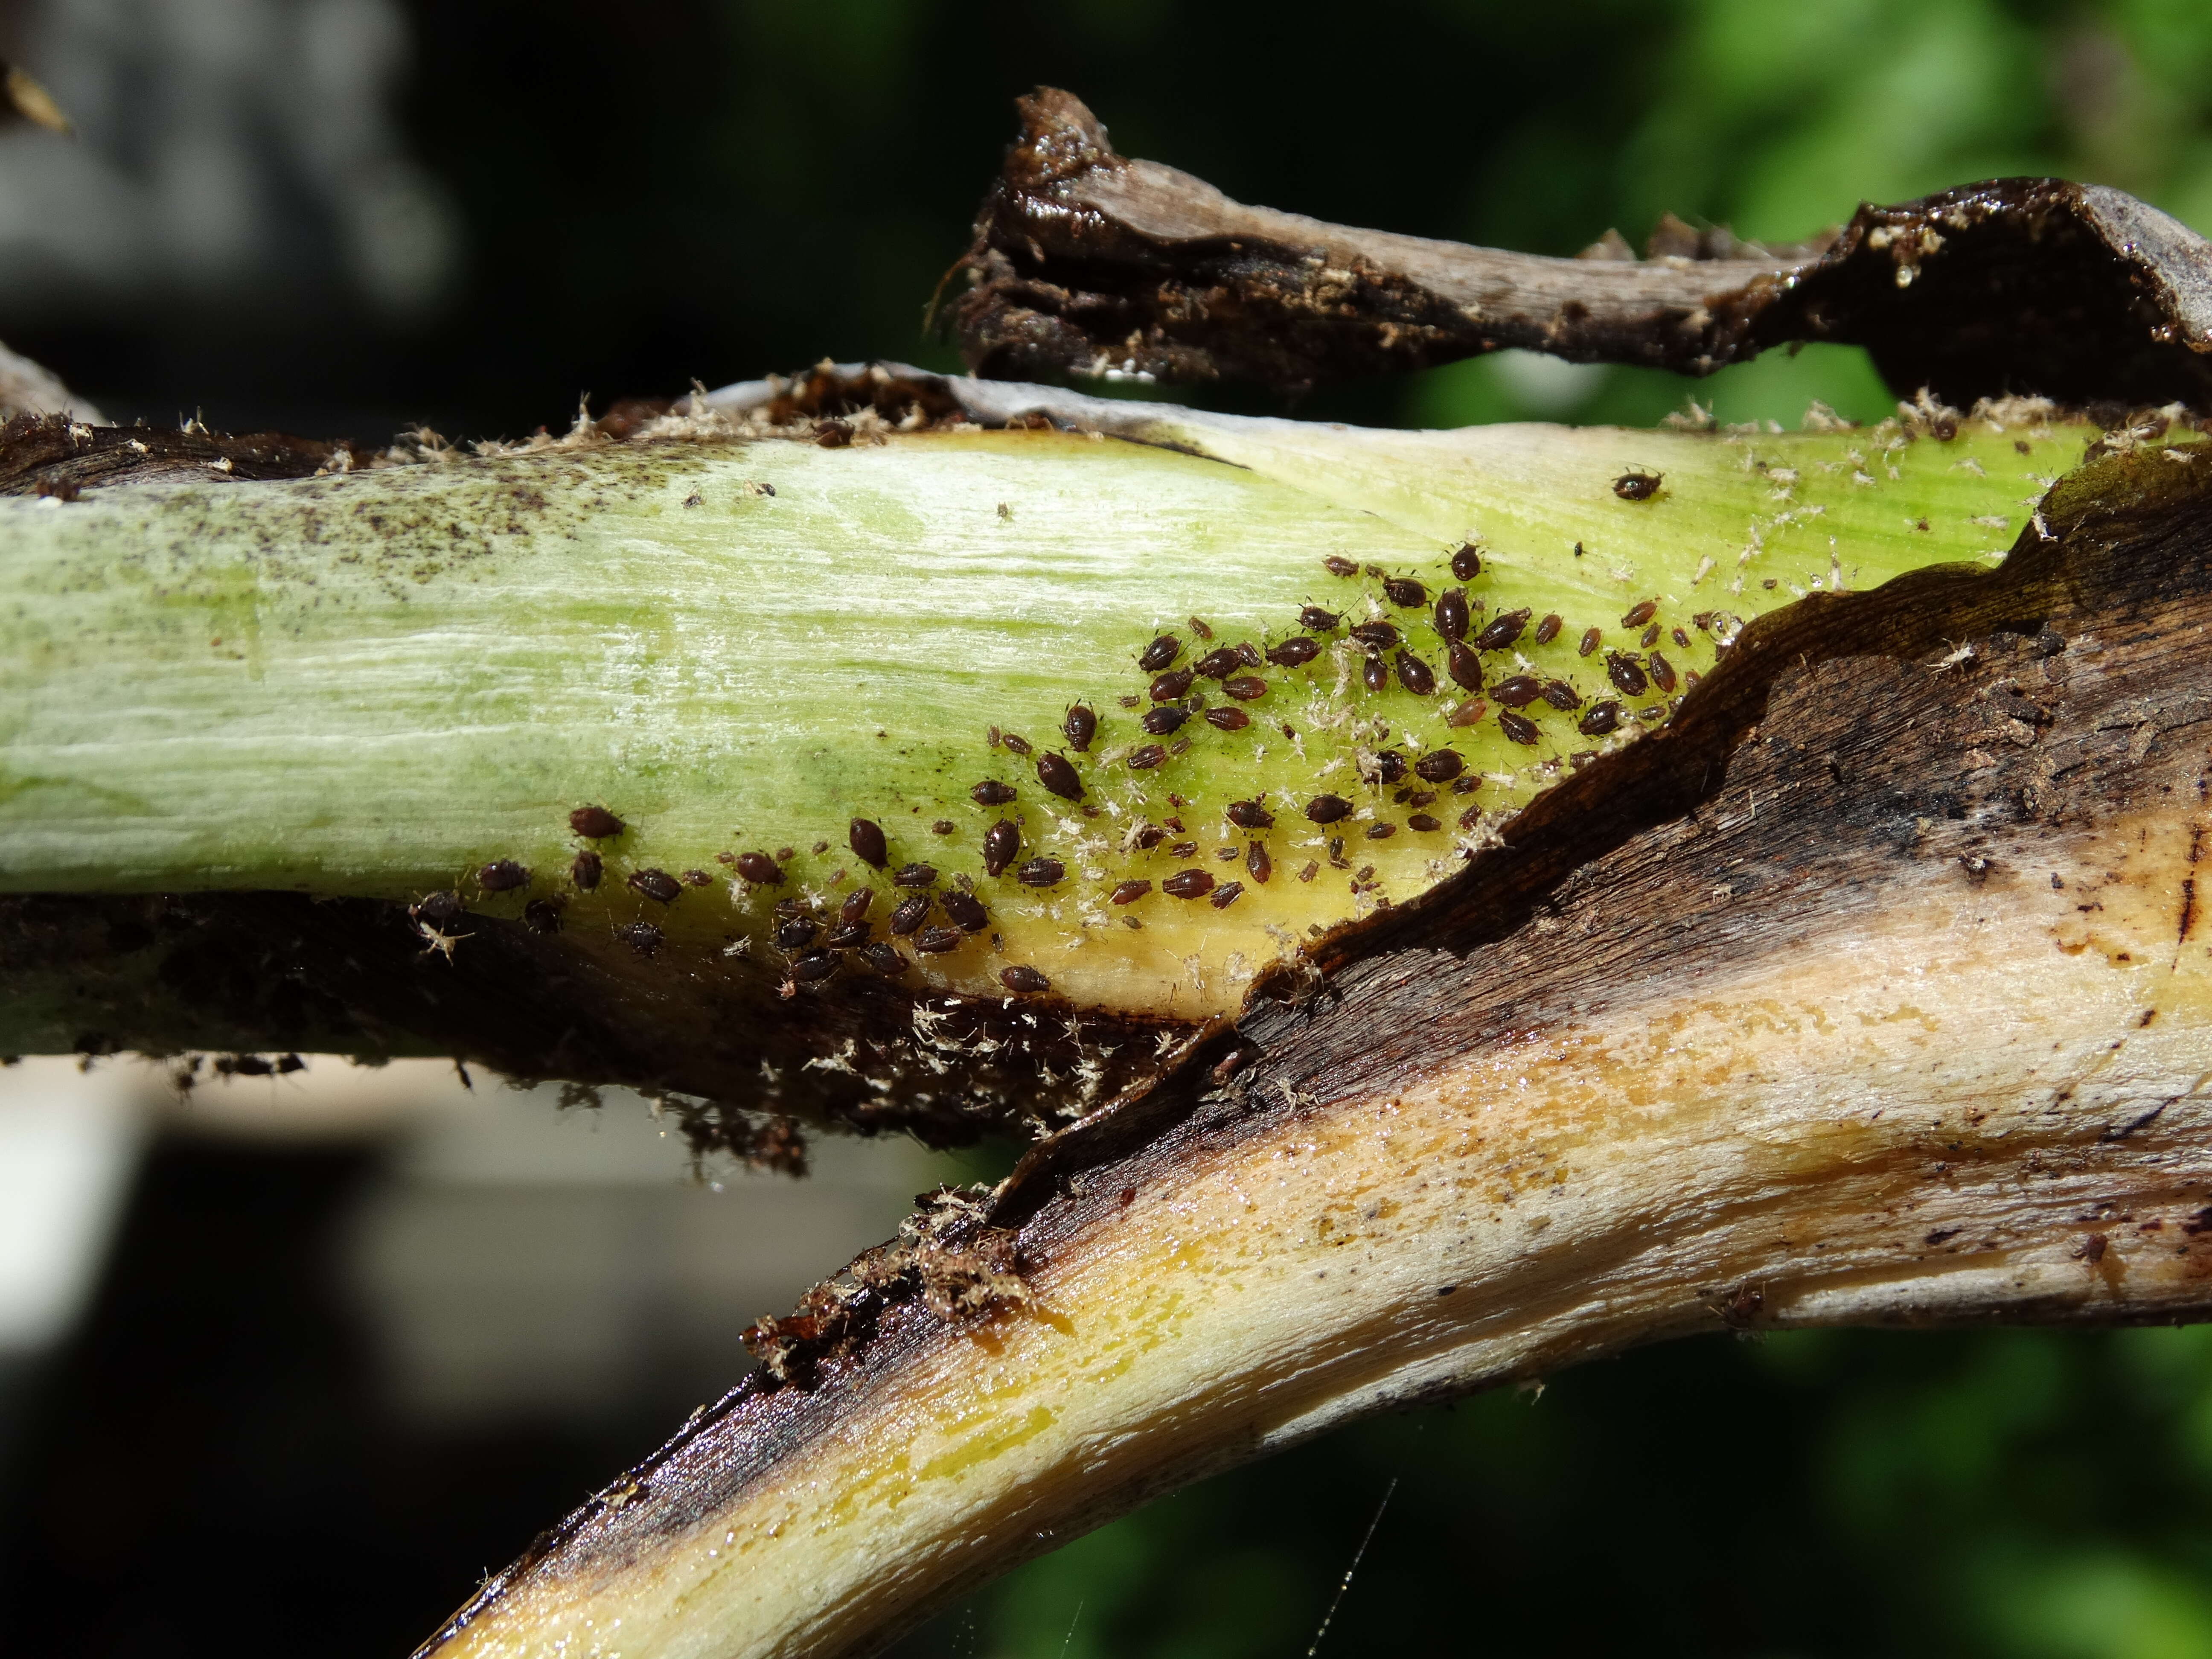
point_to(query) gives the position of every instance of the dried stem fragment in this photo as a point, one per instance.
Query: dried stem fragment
(1087, 263)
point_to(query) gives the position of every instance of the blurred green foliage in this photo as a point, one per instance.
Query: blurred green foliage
(2038, 1494)
(1777, 117)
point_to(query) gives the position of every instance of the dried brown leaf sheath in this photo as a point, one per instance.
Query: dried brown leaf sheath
(1867, 992)
(1085, 261)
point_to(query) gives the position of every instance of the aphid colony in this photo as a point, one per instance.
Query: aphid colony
(1441, 657)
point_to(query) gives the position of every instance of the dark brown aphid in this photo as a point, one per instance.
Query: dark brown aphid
(1519, 691)
(1159, 653)
(658, 885)
(814, 970)
(1042, 872)
(1591, 638)
(1002, 843)
(907, 913)
(1183, 850)
(965, 911)
(1424, 822)
(1316, 620)
(1374, 674)
(1023, 982)
(1294, 652)
(1226, 895)
(1151, 835)
(866, 837)
(1016, 742)
(1219, 664)
(1145, 757)
(1602, 719)
(1257, 863)
(883, 959)
(1245, 688)
(1639, 614)
(1381, 831)
(1466, 563)
(1337, 567)
(844, 938)
(1057, 774)
(696, 878)
(1164, 720)
(936, 941)
(855, 907)
(1167, 687)
(1502, 631)
(1650, 637)
(1405, 593)
(642, 937)
(1452, 614)
(1249, 815)
(1662, 673)
(915, 875)
(1519, 727)
(584, 870)
(1464, 666)
(796, 932)
(1312, 869)
(989, 792)
(1440, 765)
(1389, 766)
(942, 827)
(1623, 671)
(1562, 696)
(1201, 629)
(1637, 485)
(1080, 726)
(1228, 720)
(1187, 885)
(502, 875)
(1327, 809)
(1548, 628)
(833, 433)
(542, 915)
(1375, 635)
(595, 822)
(1129, 892)
(1679, 637)
(1416, 675)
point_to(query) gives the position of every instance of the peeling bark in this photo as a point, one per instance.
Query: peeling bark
(1087, 263)
(1876, 990)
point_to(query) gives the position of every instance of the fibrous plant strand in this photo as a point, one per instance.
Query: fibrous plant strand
(907, 771)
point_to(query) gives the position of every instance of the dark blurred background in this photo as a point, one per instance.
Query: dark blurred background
(286, 1364)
